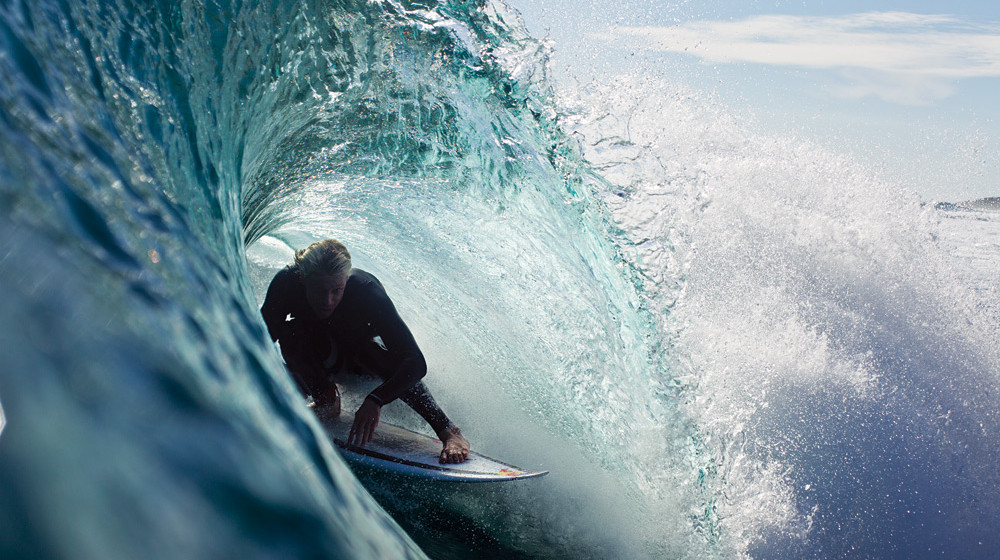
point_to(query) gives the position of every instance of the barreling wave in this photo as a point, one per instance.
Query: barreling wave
(721, 344)
(145, 145)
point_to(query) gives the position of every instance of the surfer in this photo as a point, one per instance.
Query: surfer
(328, 316)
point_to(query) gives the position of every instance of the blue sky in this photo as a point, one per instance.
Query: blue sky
(910, 88)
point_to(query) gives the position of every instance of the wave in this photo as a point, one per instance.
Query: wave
(721, 344)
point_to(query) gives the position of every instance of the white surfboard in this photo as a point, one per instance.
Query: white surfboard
(401, 451)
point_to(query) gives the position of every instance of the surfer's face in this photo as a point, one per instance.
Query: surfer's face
(324, 293)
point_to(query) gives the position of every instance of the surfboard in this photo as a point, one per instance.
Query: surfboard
(398, 450)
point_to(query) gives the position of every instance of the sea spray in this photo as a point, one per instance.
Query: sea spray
(836, 366)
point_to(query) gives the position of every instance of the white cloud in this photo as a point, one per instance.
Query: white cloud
(899, 56)
(904, 88)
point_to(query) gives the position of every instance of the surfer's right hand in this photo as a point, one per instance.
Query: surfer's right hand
(365, 421)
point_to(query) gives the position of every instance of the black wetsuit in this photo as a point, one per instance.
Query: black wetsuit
(364, 312)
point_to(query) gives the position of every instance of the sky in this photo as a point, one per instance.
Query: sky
(910, 89)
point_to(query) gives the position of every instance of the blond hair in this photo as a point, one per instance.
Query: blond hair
(328, 257)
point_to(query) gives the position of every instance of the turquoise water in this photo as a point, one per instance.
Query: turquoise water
(720, 344)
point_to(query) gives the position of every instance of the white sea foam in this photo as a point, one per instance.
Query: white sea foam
(808, 307)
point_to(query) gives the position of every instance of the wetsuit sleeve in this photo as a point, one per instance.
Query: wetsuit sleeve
(399, 342)
(276, 306)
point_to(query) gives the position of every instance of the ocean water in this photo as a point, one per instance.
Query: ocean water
(721, 344)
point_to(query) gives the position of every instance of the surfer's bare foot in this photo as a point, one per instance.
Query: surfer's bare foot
(456, 447)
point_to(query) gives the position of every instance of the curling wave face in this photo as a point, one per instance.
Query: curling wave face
(145, 144)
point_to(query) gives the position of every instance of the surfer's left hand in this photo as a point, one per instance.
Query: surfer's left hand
(365, 421)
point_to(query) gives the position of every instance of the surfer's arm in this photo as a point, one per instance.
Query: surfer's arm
(275, 310)
(276, 306)
(400, 343)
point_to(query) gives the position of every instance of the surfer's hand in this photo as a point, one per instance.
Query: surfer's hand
(365, 421)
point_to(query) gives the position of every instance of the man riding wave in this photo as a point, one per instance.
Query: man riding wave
(328, 316)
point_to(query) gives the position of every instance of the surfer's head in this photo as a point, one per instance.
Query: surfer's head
(325, 266)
